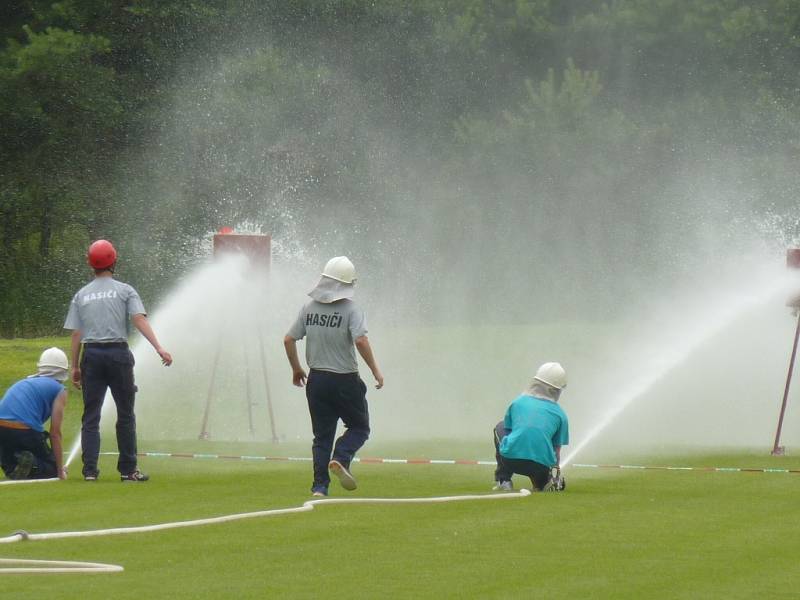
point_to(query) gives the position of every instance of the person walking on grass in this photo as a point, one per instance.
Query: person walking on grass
(98, 316)
(334, 326)
(27, 451)
(528, 440)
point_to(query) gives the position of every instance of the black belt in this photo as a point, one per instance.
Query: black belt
(105, 344)
(354, 373)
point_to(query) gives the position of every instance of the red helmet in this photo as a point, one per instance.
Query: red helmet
(101, 254)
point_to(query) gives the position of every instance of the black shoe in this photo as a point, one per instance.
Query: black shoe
(25, 462)
(135, 476)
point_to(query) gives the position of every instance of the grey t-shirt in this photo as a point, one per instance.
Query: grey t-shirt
(101, 308)
(331, 329)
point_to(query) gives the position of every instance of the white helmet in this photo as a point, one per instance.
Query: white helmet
(341, 269)
(53, 357)
(552, 374)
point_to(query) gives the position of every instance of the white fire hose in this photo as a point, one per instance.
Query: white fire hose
(39, 566)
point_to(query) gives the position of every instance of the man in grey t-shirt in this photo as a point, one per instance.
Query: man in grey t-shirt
(334, 327)
(98, 316)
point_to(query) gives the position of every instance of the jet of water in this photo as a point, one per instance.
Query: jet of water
(702, 327)
(76, 446)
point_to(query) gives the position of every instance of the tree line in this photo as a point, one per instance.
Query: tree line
(150, 122)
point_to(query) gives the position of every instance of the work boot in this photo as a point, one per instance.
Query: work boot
(25, 462)
(345, 478)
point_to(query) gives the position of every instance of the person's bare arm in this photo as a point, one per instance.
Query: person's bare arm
(75, 351)
(365, 350)
(558, 454)
(56, 420)
(143, 325)
(298, 374)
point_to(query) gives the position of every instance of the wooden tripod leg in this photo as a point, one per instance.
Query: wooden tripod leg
(248, 395)
(275, 439)
(204, 434)
(777, 449)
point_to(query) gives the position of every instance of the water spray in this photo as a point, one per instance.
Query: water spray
(793, 262)
(671, 355)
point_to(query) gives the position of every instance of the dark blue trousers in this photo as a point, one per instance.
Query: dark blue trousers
(334, 396)
(13, 441)
(506, 467)
(104, 367)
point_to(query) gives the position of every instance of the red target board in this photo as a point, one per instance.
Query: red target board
(256, 247)
(793, 258)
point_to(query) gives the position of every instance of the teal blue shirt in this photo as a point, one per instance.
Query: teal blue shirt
(537, 425)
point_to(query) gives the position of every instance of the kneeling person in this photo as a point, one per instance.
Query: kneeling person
(528, 440)
(26, 449)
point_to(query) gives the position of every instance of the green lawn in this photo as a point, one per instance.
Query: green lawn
(612, 534)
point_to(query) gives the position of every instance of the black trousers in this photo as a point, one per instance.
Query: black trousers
(506, 467)
(13, 441)
(334, 396)
(102, 368)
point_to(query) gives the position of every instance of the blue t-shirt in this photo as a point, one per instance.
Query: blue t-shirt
(536, 426)
(30, 401)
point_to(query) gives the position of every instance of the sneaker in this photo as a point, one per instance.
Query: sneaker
(25, 462)
(556, 484)
(503, 486)
(319, 492)
(345, 478)
(135, 476)
(90, 477)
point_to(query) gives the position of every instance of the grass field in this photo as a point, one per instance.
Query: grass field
(612, 534)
